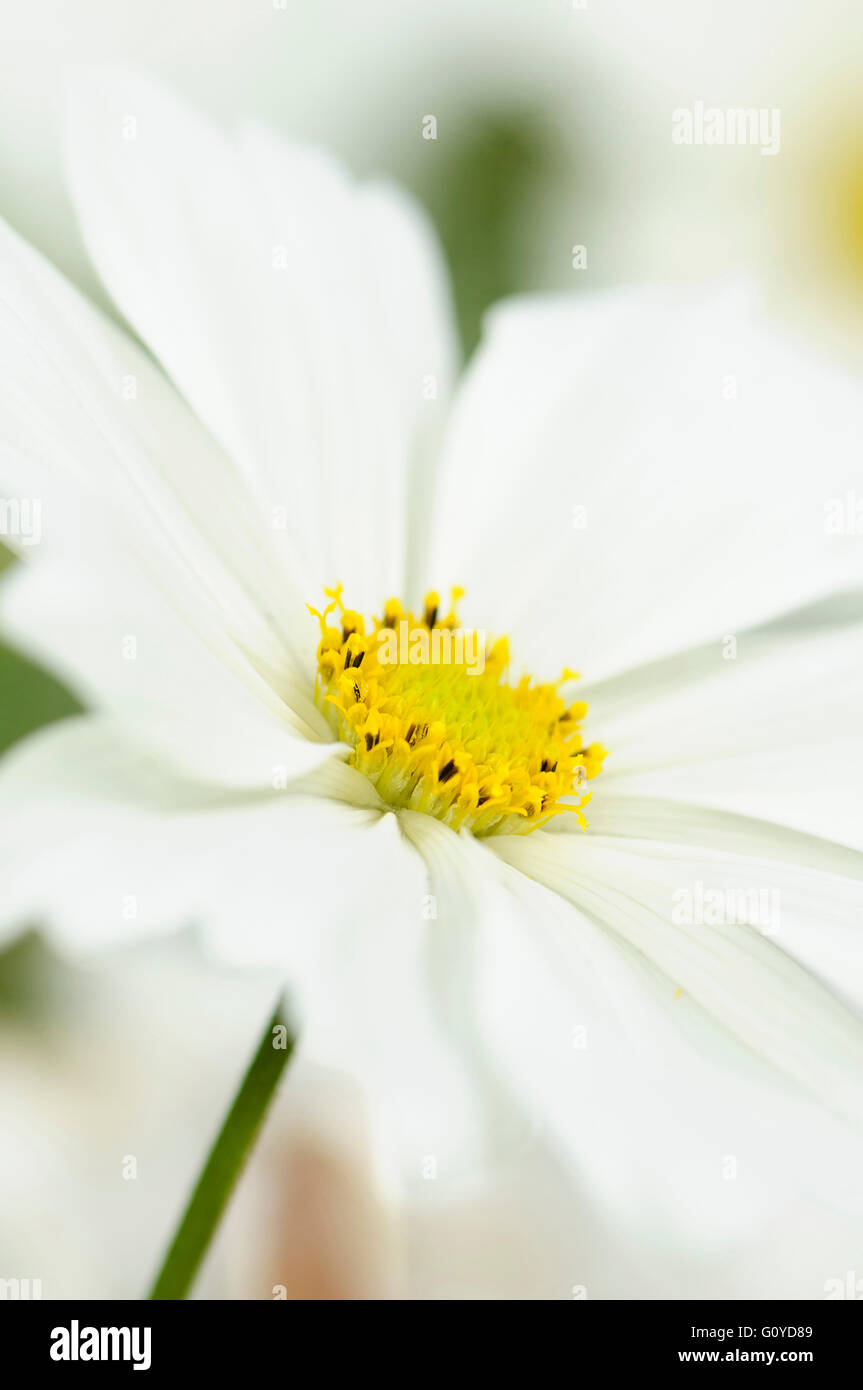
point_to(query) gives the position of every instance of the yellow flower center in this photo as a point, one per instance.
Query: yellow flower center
(433, 722)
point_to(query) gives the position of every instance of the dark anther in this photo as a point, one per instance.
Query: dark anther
(431, 616)
(358, 659)
(447, 772)
(357, 695)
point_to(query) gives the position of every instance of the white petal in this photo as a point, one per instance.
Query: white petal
(809, 909)
(134, 495)
(641, 1092)
(765, 724)
(463, 885)
(742, 978)
(127, 654)
(700, 511)
(299, 315)
(91, 818)
(656, 822)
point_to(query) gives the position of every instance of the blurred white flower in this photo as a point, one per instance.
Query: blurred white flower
(681, 212)
(638, 483)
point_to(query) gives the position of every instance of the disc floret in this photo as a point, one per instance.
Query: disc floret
(432, 720)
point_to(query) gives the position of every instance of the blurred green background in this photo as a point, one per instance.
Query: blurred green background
(29, 696)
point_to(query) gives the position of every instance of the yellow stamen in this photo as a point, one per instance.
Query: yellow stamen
(432, 720)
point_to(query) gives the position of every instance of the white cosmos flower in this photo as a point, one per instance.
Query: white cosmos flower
(795, 215)
(634, 484)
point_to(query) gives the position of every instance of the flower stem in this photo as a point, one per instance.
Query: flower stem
(229, 1152)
